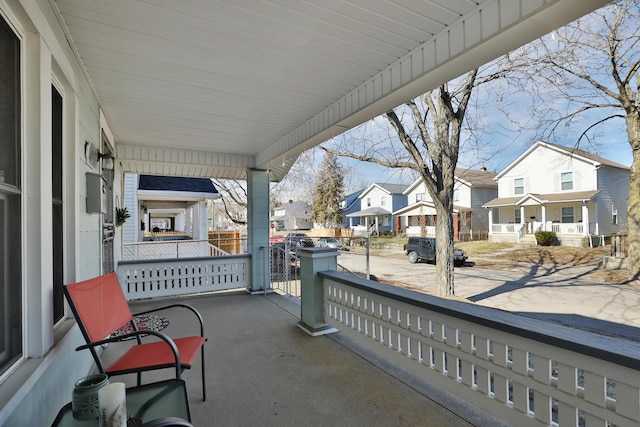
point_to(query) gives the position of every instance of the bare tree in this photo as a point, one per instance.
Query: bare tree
(299, 182)
(429, 129)
(233, 199)
(586, 75)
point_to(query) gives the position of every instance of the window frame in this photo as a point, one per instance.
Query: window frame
(517, 187)
(567, 183)
(564, 216)
(12, 209)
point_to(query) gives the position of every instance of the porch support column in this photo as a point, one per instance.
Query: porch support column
(187, 225)
(585, 219)
(490, 221)
(544, 218)
(313, 261)
(203, 230)
(258, 230)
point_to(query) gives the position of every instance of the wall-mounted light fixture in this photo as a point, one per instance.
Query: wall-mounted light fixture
(144, 208)
(107, 160)
(93, 156)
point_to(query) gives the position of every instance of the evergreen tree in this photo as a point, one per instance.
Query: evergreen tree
(328, 193)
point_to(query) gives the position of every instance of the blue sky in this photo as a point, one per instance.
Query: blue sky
(615, 148)
(498, 139)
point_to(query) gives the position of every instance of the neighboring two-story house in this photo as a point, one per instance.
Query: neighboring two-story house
(554, 188)
(292, 216)
(472, 188)
(377, 204)
(351, 204)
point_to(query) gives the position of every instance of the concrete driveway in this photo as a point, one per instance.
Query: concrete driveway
(561, 294)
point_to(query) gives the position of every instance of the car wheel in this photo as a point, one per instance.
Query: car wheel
(412, 257)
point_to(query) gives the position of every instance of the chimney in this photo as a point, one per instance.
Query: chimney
(290, 202)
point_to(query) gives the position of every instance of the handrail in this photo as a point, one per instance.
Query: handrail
(525, 371)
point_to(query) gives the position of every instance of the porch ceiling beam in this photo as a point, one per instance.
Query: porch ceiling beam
(200, 164)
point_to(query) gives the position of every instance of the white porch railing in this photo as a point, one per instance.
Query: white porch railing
(506, 228)
(172, 277)
(567, 228)
(416, 230)
(519, 230)
(558, 228)
(170, 249)
(525, 372)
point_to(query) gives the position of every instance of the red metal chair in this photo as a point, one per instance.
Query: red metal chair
(100, 308)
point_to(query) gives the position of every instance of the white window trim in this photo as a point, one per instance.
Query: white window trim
(515, 186)
(562, 181)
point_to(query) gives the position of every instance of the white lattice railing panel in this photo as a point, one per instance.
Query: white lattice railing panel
(170, 277)
(524, 371)
(170, 249)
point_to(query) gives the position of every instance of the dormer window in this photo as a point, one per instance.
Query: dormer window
(566, 181)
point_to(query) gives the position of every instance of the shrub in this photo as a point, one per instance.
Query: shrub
(546, 238)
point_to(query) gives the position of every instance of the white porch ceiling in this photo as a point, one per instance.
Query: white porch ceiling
(210, 88)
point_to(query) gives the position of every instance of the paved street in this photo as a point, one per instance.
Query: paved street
(559, 294)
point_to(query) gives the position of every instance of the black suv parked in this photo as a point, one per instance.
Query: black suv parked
(424, 249)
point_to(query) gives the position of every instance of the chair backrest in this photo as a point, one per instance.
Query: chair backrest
(99, 306)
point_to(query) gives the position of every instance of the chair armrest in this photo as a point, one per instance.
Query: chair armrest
(188, 307)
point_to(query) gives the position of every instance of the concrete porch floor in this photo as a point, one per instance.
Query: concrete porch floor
(262, 370)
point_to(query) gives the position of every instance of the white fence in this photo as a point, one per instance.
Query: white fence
(416, 230)
(558, 228)
(506, 228)
(171, 277)
(170, 249)
(525, 372)
(569, 228)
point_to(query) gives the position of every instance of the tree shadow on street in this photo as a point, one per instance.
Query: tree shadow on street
(536, 271)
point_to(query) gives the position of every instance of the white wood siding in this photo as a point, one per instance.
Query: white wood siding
(376, 194)
(464, 195)
(542, 170)
(421, 188)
